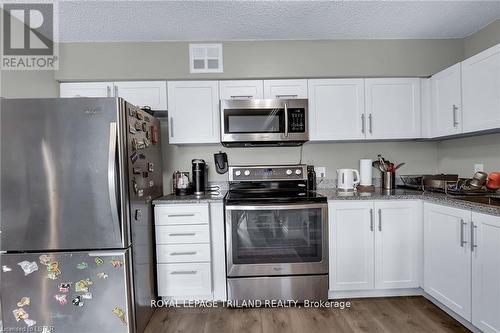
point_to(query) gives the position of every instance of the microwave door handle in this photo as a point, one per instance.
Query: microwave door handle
(286, 121)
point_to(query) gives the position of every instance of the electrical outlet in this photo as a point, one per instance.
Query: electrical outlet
(478, 167)
(320, 172)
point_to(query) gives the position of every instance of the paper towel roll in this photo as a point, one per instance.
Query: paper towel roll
(365, 171)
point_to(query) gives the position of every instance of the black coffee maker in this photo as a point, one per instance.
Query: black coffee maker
(199, 176)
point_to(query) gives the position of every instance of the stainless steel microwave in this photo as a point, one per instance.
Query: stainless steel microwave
(264, 122)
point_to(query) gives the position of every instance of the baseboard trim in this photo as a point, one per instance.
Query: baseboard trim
(452, 313)
(338, 294)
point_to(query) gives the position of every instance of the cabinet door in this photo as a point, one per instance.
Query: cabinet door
(351, 245)
(486, 273)
(285, 89)
(193, 108)
(447, 101)
(393, 108)
(143, 93)
(241, 89)
(398, 244)
(336, 109)
(447, 257)
(86, 89)
(481, 90)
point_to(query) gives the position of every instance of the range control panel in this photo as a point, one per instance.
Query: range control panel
(256, 173)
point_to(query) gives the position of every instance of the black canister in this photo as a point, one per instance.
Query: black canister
(199, 173)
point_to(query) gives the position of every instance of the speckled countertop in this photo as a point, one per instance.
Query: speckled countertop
(189, 199)
(333, 194)
(404, 194)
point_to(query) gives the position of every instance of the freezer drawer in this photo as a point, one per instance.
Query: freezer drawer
(79, 292)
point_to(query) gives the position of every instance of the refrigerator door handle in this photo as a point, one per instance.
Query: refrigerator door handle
(113, 138)
(107, 254)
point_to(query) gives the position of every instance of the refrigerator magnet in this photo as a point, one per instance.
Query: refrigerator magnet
(120, 314)
(102, 275)
(116, 263)
(6, 269)
(24, 301)
(29, 322)
(20, 314)
(77, 301)
(99, 261)
(28, 267)
(65, 287)
(61, 298)
(82, 265)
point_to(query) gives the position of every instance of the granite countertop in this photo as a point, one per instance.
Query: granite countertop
(405, 194)
(189, 199)
(334, 194)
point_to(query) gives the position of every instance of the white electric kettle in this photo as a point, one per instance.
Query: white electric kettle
(347, 179)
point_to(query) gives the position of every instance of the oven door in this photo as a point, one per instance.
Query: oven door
(274, 240)
(260, 121)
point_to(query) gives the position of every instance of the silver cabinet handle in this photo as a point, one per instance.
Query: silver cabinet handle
(462, 233)
(183, 234)
(473, 244)
(370, 120)
(171, 127)
(116, 91)
(241, 96)
(183, 272)
(108, 91)
(363, 125)
(286, 120)
(455, 118)
(289, 96)
(380, 220)
(181, 215)
(371, 220)
(183, 253)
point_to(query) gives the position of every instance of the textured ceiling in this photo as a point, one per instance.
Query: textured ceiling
(89, 21)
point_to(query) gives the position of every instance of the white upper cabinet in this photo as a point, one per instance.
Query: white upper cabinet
(398, 238)
(351, 245)
(143, 93)
(447, 257)
(139, 93)
(193, 109)
(486, 273)
(86, 89)
(446, 99)
(336, 109)
(393, 108)
(241, 89)
(285, 88)
(481, 90)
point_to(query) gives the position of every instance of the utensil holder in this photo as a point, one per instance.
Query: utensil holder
(388, 180)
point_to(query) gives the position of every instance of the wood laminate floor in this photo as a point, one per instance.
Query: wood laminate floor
(397, 314)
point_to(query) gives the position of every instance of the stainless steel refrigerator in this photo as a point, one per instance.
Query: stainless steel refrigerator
(77, 179)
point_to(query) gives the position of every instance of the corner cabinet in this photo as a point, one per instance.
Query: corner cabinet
(446, 101)
(481, 90)
(375, 245)
(393, 108)
(447, 257)
(336, 109)
(193, 109)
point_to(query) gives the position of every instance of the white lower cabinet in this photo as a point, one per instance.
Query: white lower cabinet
(375, 245)
(190, 251)
(447, 257)
(486, 272)
(398, 244)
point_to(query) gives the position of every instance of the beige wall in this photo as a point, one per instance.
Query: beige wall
(483, 39)
(18, 84)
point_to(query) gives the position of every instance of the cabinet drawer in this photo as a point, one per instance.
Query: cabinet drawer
(182, 253)
(180, 234)
(181, 214)
(184, 280)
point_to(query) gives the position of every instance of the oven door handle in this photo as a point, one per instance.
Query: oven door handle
(286, 120)
(277, 207)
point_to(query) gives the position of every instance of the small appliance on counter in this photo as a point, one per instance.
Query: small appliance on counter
(493, 181)
(199, 176)
(447, 183)
(221, 164)
(181, 184)
(388, 170)
(365, 176)
(347, 179)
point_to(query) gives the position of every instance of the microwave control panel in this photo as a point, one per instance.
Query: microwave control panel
(296, 120)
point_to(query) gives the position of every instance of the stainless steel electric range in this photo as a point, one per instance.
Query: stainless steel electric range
(276, 235)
